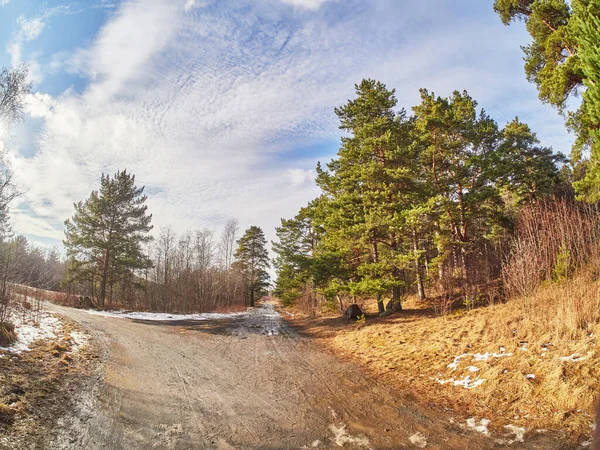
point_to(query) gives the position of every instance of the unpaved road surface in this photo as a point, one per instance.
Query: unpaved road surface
(248, 382)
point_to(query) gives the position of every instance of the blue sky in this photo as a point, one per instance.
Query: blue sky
(222, 108)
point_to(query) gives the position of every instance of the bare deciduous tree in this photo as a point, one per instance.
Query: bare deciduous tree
(228, 242)
(14, 87)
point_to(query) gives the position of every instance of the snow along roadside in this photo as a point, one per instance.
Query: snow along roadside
(162, 317)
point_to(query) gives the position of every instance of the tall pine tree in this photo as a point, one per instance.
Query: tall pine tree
(368, 186)
(104, 238)
(252, 260)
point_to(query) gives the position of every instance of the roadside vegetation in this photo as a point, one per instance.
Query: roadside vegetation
(486, 240)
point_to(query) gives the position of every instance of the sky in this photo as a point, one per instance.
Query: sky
(222, 108)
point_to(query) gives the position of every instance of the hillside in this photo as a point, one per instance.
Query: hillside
(535, 371)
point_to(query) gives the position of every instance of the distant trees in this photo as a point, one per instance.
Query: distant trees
(188, 276)
(227, 243)
(113, 258)
(252, 261)
(105, 237)
(412, 203)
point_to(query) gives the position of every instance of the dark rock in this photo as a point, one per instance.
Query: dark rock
(353, 312)
(393, 306)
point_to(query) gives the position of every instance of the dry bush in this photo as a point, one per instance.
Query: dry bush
(7, 334)
(553, 240)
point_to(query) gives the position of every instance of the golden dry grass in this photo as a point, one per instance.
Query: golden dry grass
(537, 386)
(6, 413)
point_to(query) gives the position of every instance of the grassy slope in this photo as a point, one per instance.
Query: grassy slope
(414, 348)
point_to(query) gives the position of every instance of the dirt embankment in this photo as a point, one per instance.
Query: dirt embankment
(42, 384)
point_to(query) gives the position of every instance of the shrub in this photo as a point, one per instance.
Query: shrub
(7, 334)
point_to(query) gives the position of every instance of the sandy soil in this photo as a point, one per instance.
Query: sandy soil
(247, 382)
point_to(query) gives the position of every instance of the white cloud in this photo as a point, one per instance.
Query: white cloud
(301, 177)
(310, 4)
(212, 111)
(191, 4)
(30, 29)
(4, 2)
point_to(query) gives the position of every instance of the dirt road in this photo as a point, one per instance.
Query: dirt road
(245, 382)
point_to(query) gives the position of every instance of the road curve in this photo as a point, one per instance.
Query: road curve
(249, 382)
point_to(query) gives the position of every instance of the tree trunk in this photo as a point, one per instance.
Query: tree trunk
(380, 305)
(252, 297)
(104, 278)
(440, 259)
(418, 268)
(396, 296)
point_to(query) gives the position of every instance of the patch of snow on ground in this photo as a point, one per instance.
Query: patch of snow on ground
(530, 376)
(418, 440)
(79, 341)
(466, 382)
(477, 357)
(341, 437)
(28, 332)
(164, 317)
(518, 433)
(575, 357)
(485, 356)
(473, 369)
(454, 364)
(481, 428)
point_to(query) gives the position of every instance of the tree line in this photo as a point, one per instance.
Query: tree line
(113, 258)
(419, 202)
(427, 202)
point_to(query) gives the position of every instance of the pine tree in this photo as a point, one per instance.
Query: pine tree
(563, 60)
(294, 249)
(524, 169)
(104, 238)
(587, 32)
(252, 260)
(368, 186)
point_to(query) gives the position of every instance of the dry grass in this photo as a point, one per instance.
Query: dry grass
(533, 388)
(36, 387)
(7, 334)
(58, 298)
(6, 414)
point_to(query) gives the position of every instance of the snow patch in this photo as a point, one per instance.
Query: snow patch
(477, 357)
(487, 355)
(575, 357)
(481, 428)
(466, 382)
(518, 433)
(530, 376)
(164, 317)
(341, 437)
(473, 369)
(418, 440)
(28, 331)
(79, 339)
